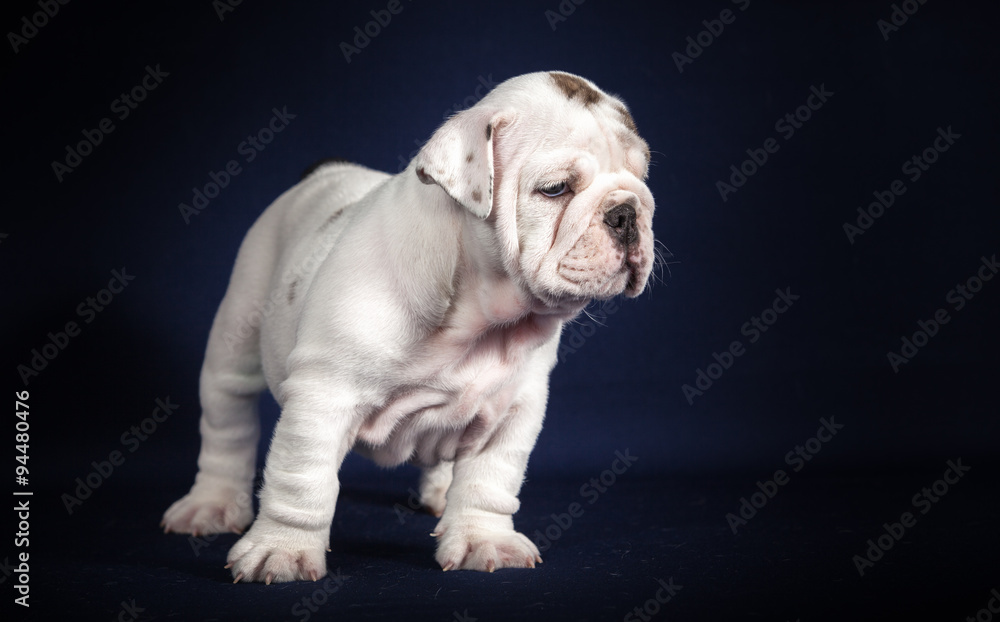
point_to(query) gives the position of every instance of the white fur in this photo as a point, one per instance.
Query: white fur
(414, 318)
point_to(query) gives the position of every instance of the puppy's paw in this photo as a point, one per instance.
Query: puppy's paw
(209, 509)
(275, 553)
(483, 544)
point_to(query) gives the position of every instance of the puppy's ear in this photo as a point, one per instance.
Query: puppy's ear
(459, 157)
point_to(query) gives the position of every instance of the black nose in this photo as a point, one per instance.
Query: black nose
(621, 220)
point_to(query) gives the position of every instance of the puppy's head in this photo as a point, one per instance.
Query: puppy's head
(556, 168)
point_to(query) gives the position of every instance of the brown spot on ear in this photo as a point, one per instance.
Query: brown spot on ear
(477, 195)
(572, 87)
(469, 157)
(329, 221)
(489, 131)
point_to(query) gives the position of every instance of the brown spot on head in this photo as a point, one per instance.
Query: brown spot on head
(469, 157)
(477, 195)
(626, 118)
(573, 87)
(291, 291)
(633, 132)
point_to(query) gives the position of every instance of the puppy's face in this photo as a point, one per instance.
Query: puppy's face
(559, 173)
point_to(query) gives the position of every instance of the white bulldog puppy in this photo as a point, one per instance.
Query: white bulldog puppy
(416, 318)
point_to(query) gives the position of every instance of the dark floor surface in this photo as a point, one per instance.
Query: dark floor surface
(793, 560)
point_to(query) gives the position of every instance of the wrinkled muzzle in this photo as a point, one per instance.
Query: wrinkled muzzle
(614, 254)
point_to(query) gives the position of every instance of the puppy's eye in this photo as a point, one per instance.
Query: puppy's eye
(554, 190)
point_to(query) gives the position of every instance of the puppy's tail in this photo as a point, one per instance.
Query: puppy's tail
(321, 163)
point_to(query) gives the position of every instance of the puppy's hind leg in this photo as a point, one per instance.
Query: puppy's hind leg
(434, 483)
(231, 382)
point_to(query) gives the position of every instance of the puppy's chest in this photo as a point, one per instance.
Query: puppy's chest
(457, 386)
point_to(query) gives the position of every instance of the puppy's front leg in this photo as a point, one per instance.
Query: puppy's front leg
(289, 539)
(476, 531)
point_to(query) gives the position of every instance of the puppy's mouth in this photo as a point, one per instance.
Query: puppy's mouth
(626, 280)
(587, 277)
(606, 261)
(637, 267)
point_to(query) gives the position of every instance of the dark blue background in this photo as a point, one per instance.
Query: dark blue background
(621, 386)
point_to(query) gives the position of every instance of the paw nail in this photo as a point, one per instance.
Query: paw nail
(267, 580)
(491, 566)
(435, 534)
(228, 566)
(315, 577)
(238, 577)
(449, 566)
